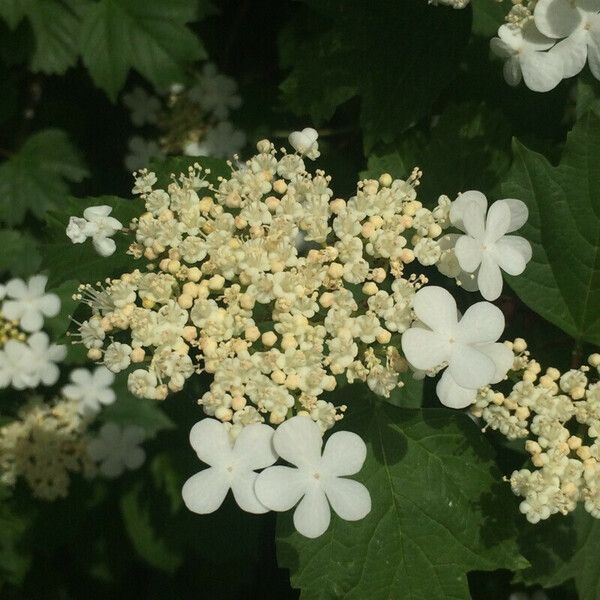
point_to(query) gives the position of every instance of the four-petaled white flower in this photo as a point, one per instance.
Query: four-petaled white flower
(28, 303)
(305, 142)
(230, 467)
(91, 389)
(97, 224)
(143, 107)
(222, 141)
(467, 345)
(485, 249)
(578, 21)
(318, 480)
(117, 448)
(524, 51)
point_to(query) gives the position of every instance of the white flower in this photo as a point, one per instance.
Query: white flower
(142, 106)
(16, 366)
(92, 390)
(318, 480)
(305, 142)
(221, 141)
(524, 47)
(230, 467)
(117, 448)
(117, 356)
(466, 345)
(28, 303)
(579, 22)
(43, 358)
(141, 152)
(97, 224)
(215, 92)
(485, 248)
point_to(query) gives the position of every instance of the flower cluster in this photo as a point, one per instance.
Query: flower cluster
(545, 41)
(269, 283)
(193, 120)
(316, 482)
(559, 416)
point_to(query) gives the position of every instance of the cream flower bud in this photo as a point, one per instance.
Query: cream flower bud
(268, 338)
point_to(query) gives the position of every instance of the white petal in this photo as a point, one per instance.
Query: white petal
(242, 487)
(37, 285)
(512, 71)
(204, 492)
(458, 207)
(509, 258)
(556, 18)
(254, 448)
(344, 454)
(31, 320)
(436, 307)
(502, 357)
(482, 322)
(134, 459)
(519, 213)
(97, 450)
(82, 377)
(280, 488)
(13, 309)
(50, 374)
(499, 48)
(349, 499)
(134, 435)
(468, 253)
(16, 288)
(93, 213)
(473, 220)
(111, 433)
(424, 349)
(112, 467)
(593, 48)
(497, 222)
(102, 377)
(104, 246)
(489, 278)
(298, 441)
(542, 71)
(312, 516)
(469, 367)
(50, 305)
(453, 395)
(210, 440)
(572, 52)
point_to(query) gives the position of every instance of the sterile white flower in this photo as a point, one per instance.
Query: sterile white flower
(44, 355)
(97, 224)
(524, 51)
(91, 389)
(28, 303)
(466, 345)
(485, 249)
(578, 22)
(141, 152)
(221, 141)
(230, 467)
(305, 142)
(16, 366)
(318, 481)
(215, 92)
(142, 106)
(117, 448)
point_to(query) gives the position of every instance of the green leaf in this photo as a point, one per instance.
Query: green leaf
(35, 178)
(20, 256)
(562, 282)
(479, 137)
(80, 262)
(439, 510)
(588, 94)
(410, 395)
(147, 35)
(56, 25)
(397, 57)
(564, 548)
(14, 561)
(174, 165)
(488, 15)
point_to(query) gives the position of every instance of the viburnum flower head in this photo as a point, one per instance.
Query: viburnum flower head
(466, 344)
(524, 50)
(485, 249)
(91, 389)
(97, 224)
(230, 466)
(28, 303)
(319, 480)
(578, 22)
(117, 448)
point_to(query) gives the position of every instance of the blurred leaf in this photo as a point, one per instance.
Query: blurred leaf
(410, 395)
(34, 179)
(488, 15)
(19, 256)
(175, 165)
(439, 511)
(397, 57)
(80, 262)
(56, 27)
(562, 282)
(147, 35)
(588, 93)
(14, 560)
